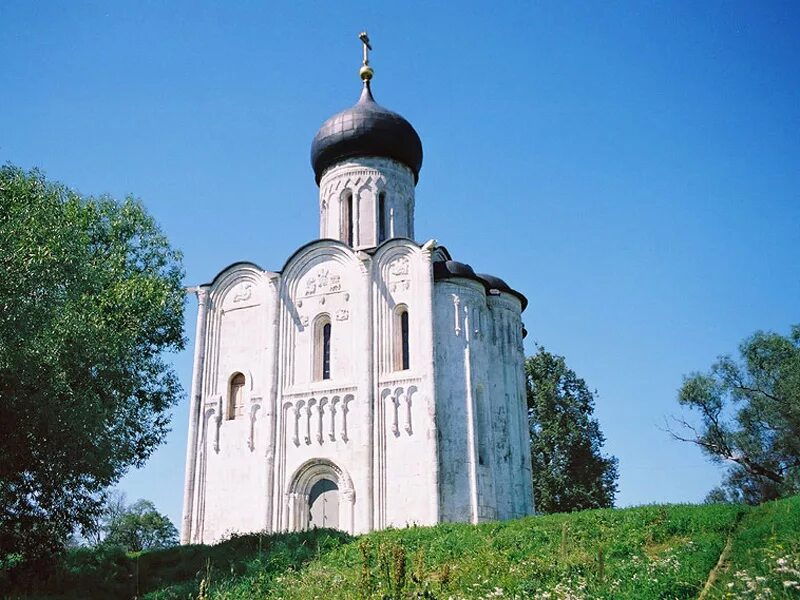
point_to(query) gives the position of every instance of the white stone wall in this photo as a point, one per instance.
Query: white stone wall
(324, 420)
(230, 448)
(370, 427)
(443, 440)
(406, 465)
(365, 178)
(484, 457)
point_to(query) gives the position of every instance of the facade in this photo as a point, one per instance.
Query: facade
(372, 381)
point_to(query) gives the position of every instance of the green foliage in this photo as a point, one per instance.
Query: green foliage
(90, 299)
(107, 572)
(141, 527)
(750, 417)
(650, 552)
(765, 556)
(570, 472)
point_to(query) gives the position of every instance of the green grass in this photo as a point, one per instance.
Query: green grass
(765, 554)
(648, 552)
(642, 553)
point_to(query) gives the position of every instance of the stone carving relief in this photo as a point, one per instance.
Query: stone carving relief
(243, 292)
(342, 314)
(399, 274)
(323, 282)
(213, 415)
(251, 443)
(399, 404)
(456, 310)
(318, 417)
(399, 267)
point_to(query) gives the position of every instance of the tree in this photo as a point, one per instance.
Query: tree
(749, 417)
(141, 527)
(90, 300)
(114, 506)
(569, 471)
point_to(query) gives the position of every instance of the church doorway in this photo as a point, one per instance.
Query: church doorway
(319, 494)
(323, 504)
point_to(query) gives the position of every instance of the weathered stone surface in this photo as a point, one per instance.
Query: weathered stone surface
(442, 440)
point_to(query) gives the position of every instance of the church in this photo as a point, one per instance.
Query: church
(372, 381)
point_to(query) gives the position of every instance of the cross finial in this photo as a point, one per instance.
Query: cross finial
(365, 40)
(366, 71)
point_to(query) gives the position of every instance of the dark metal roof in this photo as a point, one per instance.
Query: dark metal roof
(451, 268)
(238, 263)
(495, 283)
(366, 129)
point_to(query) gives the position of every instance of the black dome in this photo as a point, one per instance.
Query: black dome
(495, 283)
(447, 269)
(366, 129)
(452, 268)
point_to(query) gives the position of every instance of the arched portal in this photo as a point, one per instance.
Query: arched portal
(323, 504)
(320, 494)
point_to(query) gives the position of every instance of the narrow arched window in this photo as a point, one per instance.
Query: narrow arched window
(326, 351)
(481, 426)
(236, 396)
(402, 357)
(322, 348)
(347, 217)
(381, 217)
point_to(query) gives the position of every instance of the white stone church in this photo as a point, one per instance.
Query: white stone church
(372, 381)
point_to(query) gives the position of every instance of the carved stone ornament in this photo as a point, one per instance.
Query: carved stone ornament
(304, 320)
(399, 279)
(323, 283)
(399, 286)
(244, 292)
(342, 314)
(322, 278)
(399, 267)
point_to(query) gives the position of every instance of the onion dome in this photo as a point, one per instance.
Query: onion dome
(366, 129)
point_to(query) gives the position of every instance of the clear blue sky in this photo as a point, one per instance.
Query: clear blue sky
(633, 168)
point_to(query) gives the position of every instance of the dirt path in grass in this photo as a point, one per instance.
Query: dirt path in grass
(720, 567)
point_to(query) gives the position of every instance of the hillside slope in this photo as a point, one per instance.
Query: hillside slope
(641, 553)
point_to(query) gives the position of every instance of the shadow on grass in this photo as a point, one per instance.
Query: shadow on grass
(108, 572)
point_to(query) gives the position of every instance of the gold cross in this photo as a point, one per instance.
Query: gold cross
(365, 40)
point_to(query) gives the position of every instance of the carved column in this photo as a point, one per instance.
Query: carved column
(472, 458)
(429, 365)
(366, 385)
(194, 412)
(271, 403)
(349, 503)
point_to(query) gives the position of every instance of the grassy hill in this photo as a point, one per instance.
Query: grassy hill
(647, 552)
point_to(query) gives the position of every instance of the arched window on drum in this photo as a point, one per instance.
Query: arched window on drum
(347, 222)
(382, 224)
